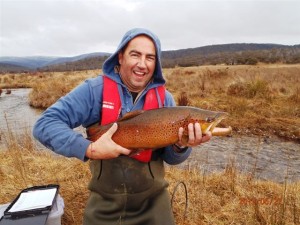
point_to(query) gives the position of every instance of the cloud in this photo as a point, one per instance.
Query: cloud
(73, 27)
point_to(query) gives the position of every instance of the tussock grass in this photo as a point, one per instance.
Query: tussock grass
(233, 198)
(23, 165)
(227, 197)
(262, 99)
(251, 89)
(31, 79)
(55, 85)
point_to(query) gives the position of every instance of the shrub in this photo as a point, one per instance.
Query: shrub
(236, 89)
(239, 106)
(296, 96)
(256, 88)
(183, 99)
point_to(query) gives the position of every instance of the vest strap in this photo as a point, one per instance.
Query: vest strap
(111, 102)
(111, 108)
(151, 102)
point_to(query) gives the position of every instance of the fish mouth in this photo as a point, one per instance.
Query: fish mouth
(218, 131)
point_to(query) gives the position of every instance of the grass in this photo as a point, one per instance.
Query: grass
(262, 100)
(227, 197)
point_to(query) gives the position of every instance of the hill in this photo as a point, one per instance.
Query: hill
(31, 63)
(84, 63)
(230, 54)
(6, 67)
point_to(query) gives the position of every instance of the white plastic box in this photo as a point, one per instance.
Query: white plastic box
(55, 215)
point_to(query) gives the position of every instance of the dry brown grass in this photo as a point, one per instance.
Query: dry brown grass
(55, 85)
(233, 198)
(23, 165)
(262, 100)
(32, 79)
(228, 197)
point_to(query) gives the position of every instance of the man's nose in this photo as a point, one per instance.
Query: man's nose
(142, 62)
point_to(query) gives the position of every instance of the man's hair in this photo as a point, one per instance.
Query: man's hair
(122, 50)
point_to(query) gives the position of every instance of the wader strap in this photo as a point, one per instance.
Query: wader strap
(111, 108)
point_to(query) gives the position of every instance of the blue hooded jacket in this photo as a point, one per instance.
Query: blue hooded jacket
(82, 107)
(112, 61)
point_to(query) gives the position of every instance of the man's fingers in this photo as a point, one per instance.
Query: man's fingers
(112, 130)
(198, 132)
(124, 151)
(180, 133)
(194, 135)
(191, 134)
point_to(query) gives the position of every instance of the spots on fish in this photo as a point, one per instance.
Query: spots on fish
(158, 128)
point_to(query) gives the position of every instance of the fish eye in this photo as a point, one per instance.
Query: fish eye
(209, 119)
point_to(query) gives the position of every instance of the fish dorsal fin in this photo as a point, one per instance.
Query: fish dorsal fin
(131, 115)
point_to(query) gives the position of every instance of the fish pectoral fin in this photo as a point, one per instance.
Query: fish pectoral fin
(131, 115)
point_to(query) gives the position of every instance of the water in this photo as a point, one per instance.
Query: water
(15, 112)
(271, 159)
(267, 159)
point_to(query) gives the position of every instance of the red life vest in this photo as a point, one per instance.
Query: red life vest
(111, 108)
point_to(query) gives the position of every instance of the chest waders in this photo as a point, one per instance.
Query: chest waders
(125, 190)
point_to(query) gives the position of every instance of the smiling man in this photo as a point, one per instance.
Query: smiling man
(129, 190)
(137, 63)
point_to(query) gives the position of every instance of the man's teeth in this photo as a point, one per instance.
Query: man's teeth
(139, 73)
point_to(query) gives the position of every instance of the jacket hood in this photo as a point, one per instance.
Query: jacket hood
(110, 63)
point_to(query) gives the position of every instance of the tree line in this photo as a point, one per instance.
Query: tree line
(228, 54)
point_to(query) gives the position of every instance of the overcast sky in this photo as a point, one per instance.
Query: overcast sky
(74, 27)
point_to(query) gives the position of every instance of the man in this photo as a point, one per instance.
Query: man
(124, 189)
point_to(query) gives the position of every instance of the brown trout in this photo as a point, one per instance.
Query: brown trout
(158, 128)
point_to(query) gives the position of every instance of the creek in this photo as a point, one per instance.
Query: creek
(265, 158)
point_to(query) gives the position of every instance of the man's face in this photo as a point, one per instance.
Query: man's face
(137, 63)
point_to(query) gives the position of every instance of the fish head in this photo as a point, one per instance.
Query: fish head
(209, 119)
(210, 122)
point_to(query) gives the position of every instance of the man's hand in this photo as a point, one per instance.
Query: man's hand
(195, 136)
(105, 147)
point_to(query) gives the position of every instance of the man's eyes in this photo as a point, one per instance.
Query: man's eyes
(137, 55)
(151, 58)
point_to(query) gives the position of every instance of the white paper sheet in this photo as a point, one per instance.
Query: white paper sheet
(34, 200)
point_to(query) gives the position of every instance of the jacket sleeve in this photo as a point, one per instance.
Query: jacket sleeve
(169, 155)
(54, 128)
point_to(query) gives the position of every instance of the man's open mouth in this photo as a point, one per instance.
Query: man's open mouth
(139, 74)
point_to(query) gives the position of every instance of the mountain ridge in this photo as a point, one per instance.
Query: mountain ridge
(235, 53)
